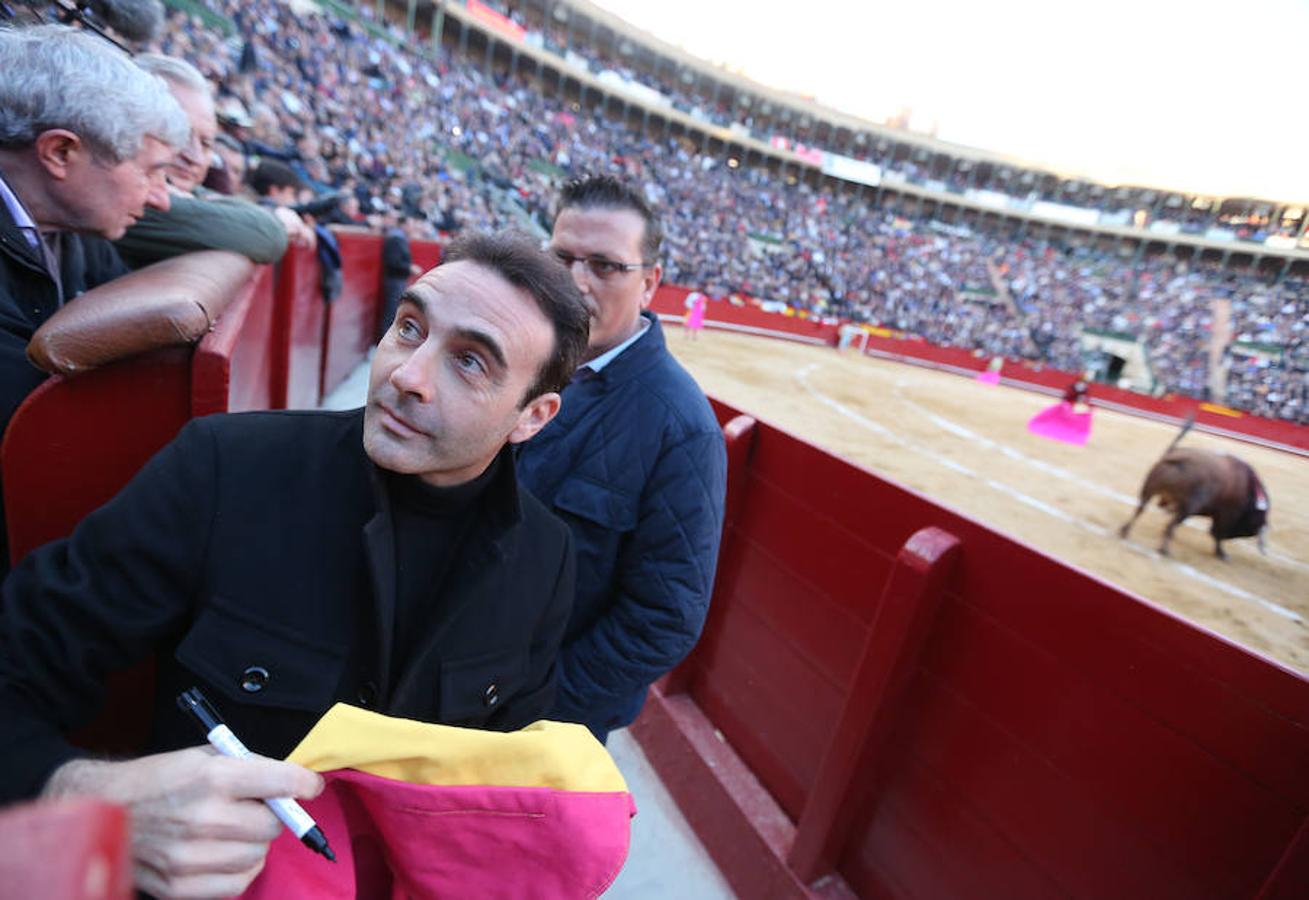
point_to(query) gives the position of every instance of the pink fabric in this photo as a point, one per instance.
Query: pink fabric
(988, 377)
(1062, 423)
(398, 840)
(695, 318)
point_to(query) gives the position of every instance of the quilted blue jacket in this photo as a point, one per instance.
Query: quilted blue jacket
(635, 464)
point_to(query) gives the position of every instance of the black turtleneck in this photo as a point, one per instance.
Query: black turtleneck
(429, 524)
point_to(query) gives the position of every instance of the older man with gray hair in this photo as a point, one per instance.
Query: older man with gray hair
(86, 139)
(197, 218)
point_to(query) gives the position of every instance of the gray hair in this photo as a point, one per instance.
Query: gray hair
(60, 77)
(177, 72)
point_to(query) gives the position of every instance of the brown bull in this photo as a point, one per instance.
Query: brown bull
(1200, 483)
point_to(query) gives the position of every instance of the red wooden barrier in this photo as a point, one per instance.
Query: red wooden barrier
(301, 318)
(844, 782)
(1057, 736)
(72, 443)
(670, 300)
(74, 849)
(352, 316)
(235, 365)
(426, 254)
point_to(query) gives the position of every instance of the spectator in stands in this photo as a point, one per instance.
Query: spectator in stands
(397, 266)
(384, 557)
(197, 218)
(227, 175)
(85, 142)
(372, 109)
(635, 465)
(279, 188)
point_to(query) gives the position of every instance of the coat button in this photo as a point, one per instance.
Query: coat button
(492, 695)
(367, 693)
(253, 679)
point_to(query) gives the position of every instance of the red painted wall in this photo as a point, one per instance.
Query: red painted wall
(670, 301)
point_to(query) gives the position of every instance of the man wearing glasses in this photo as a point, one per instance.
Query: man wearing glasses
(634, 463)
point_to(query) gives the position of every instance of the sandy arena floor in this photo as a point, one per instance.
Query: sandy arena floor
(966, 445)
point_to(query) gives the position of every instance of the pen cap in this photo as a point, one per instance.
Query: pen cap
(194, 702)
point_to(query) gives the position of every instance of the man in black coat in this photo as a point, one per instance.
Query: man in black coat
(286, 561)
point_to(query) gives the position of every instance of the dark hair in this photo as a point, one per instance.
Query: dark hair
(274, 174)
(516, 258)
(607, 192)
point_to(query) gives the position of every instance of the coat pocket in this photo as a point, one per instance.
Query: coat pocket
(260, 663)
(598, 503)
(475, 688)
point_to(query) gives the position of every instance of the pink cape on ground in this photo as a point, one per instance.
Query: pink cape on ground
(1062, 423)
(987, 377)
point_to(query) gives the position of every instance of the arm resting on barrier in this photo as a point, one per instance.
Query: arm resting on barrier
(211, 222)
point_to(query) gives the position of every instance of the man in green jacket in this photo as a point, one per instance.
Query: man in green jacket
(197, 218)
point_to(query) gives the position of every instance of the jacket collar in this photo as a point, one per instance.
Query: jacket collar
(638, 357)
(14, 243)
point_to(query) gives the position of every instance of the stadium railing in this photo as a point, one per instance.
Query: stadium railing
(891, 699)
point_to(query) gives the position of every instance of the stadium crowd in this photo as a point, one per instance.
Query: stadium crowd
(438, 139)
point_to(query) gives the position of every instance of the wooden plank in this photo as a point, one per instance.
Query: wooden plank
(1132, 767)
(1049, 816)
(825, 634)
(769, 704)
(924, 842)
(905, 617)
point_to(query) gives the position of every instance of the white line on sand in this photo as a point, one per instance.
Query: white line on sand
(802, 376)
(982, 441)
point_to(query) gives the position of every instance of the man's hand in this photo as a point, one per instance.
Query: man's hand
(298, 232)
(199, 828)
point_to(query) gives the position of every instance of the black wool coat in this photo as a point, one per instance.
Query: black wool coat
(254, 557)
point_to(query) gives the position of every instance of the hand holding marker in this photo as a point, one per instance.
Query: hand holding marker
(217, 733)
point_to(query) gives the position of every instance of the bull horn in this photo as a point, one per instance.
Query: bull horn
(1263, 549)
(1186, 426)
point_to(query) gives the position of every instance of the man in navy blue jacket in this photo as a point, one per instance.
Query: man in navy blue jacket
(634, 463)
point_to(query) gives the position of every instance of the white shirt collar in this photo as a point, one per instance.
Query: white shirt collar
(610, 355)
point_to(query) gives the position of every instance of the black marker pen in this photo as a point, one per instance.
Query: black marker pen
(217, 733)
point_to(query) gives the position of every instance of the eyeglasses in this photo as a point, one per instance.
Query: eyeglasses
(598, 266)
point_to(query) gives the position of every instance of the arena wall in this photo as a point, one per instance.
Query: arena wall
(1283, 435)
(893, 700)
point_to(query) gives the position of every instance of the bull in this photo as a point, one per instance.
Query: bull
(1190, 482)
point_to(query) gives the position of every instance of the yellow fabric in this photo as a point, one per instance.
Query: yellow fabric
(544, 754)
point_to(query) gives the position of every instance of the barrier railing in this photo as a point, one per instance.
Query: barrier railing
(891, 699)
